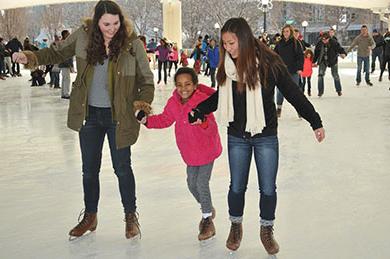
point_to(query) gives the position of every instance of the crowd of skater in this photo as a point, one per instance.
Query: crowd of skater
(114, 89)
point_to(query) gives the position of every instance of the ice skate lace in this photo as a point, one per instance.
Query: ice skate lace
(268, 237)
(131, 219)
(84, 219)
(205, 225)
(236, 232)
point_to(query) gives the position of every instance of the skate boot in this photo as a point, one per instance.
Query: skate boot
(89, 222)
(206, 229)
(132, 229)
(235, 236)
(267, 238)
(213, 213)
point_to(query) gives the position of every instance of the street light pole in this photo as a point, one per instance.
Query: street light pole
(155, 29)
(265, 6)
(304, 25)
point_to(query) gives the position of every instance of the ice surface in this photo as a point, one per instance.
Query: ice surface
(333, 197)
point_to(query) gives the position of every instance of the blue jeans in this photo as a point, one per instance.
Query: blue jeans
(266, 153)
(98, 124)
(366, 69)
(279, 96)
(335, 75)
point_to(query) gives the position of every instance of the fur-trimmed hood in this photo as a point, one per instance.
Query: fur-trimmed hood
(87, 23)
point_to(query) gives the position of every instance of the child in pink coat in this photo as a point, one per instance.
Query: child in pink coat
(199, 145)
(307, 70)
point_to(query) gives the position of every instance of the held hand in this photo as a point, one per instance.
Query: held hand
(19, 57)
(299, 72)
(319, 134)
(141, 116)
(195, 117)
(342, 56)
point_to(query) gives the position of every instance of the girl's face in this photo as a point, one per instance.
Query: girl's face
(230, 44)
(286, 33)
(308, 55)
(109, 25)
(184, 85)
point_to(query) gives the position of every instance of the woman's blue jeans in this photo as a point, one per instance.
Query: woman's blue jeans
(266, 153)
(98, 124)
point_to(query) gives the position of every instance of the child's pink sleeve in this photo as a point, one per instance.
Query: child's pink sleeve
(206, 89)
(163, 120)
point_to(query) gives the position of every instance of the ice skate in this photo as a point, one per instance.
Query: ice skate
(235, 236)
(206, 229)
(267, 238)
(132, 228)
(88, 223)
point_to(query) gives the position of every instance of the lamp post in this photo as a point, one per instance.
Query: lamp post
(265, 6)
(304, 25)
(155, 29)
(216, 27)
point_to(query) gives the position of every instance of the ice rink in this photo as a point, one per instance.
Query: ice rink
(333, 197)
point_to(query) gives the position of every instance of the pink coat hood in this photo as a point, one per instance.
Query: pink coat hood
(198, 144)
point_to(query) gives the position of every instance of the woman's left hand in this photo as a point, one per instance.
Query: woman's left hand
(320, 134)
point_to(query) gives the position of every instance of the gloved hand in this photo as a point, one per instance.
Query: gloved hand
(141, 116)
(194, 115)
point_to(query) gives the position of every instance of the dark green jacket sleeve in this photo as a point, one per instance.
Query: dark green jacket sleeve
(144, 76)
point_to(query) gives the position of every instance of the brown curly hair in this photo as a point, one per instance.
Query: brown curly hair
(96, 50)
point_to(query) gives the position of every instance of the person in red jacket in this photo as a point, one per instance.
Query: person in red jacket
(307, 70)
(199, 146)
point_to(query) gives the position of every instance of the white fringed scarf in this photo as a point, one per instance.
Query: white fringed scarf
(255, 120)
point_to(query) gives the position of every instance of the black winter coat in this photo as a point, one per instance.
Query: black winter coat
(334, 51)
(291, 53)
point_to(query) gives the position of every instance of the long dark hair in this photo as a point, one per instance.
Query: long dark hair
(255, 59)
(96, 50)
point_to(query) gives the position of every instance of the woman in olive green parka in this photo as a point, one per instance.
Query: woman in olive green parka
(113, 80)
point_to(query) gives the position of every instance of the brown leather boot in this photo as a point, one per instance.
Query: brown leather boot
(267, 238)
(213, 213)
(89, 222)
(207, 229)
(235, 236)
(132, 228)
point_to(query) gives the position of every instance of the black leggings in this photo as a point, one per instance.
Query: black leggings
(162, 65)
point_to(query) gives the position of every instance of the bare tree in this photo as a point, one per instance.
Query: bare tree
(13, 23)
(52, 19)
(145, 14)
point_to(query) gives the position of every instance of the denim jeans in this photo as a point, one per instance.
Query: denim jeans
(366, 69)
(266, 153)
(98, 124)
(376, 54)
(335, 74)
(279, 96)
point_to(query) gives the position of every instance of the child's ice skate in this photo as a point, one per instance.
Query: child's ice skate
(206, 230)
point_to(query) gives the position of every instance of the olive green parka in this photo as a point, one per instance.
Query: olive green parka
(130, 81)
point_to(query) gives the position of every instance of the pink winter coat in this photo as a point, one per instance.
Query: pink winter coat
(307, 67)
(198, 144)
(173, 55)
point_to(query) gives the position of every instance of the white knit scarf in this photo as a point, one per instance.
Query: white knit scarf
(255, 120)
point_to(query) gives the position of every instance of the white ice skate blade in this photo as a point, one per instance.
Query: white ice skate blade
(207, 242)
(74, 238)
(134, 240)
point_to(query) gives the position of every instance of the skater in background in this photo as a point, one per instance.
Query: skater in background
(247, 76)
(291, 52)
(199, 145)
(183, 58)
(106, 80)
(307, 71)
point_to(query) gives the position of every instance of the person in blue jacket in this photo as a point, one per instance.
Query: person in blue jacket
(213, 57)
